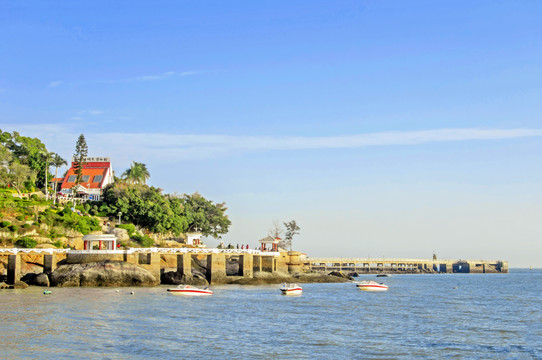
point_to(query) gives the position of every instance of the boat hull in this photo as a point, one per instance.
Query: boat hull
(191, 292)
(372, 287)
(297, 291)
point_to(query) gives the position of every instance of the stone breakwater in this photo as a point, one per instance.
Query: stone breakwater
(150, 269)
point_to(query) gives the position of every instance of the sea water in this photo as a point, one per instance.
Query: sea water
(463, 316)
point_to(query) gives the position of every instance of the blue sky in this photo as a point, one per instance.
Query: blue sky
(393, 128)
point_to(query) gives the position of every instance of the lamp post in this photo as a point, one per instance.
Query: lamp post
(120, 213)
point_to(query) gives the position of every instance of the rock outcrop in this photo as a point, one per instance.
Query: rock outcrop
(175, 278)
(36, 279)
(341, 275)
(103, 273)
(263, 278)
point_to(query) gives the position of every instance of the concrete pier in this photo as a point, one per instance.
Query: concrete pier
(246, 265)
(256, 263)
(14, 269)
(410, 266)
(184, 264)
(216, 268)
(269, 264)
(49, 263)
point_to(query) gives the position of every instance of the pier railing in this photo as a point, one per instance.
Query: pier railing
(385, 260)
(14, 251)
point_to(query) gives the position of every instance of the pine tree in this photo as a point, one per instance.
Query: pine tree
(81, 151)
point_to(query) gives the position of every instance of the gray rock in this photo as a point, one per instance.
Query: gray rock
(175, 278)
(20, 285)
(41, 280)
(341, 275)
(121, 234)
(103, 273)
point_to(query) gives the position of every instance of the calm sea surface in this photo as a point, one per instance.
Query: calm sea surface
(493, 316)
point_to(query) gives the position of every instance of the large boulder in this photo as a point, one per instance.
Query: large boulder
(36, 279)
(103, 273)
(175, 278)
(121, 234)
(320, 278)
(341, 275)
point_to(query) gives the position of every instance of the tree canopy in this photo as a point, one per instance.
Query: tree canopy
(147, 207)
(136, 174)
(291, 230)
(28, 152)
(81, 152)
(205, 216)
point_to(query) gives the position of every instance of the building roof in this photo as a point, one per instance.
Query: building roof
(96, 172)
(269, 240)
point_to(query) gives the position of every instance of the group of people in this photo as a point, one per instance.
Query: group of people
(230, 246)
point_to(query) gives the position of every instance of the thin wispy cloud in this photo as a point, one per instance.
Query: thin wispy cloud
(141, 78)
(156, 146)
(56, 83)
(152, 77)
(329, 142)
(90, 112)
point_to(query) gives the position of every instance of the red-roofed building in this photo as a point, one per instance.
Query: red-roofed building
(97, 173)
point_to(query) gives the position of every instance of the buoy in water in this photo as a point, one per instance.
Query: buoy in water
(47, 292)
(131, 293)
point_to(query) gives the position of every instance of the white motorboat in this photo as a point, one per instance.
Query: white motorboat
(369, 285)
(290, 289)
(189, 290)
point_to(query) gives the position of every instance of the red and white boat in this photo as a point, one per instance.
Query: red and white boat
(369, 285)
(290, 289)
(189, 290)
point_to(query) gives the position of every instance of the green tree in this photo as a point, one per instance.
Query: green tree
(291, 230)
(19, 174)
(27, 151)
(57, 161)
(205, 216)
(136, 174)
(81, 152)
(144, 206)
(5, 160)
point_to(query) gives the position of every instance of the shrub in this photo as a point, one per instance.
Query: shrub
(34, 197)
(143, 240)
(26, 226)
(5, 224)
(20, 217)
(13, 228)
(26, 242)
(54, 233)
(58, 244)
(128, 227)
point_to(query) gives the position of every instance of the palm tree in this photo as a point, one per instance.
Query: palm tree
(136, 174)
(57, 162)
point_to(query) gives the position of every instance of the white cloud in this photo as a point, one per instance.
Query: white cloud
(163, 76)
(90, 112)
(155, 146)
(56, 83)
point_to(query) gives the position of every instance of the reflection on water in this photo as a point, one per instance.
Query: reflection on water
(435, 316)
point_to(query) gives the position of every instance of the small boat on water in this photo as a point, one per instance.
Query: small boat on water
(369, 285)
(290, 289)
(189, 290)
(383, 275)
